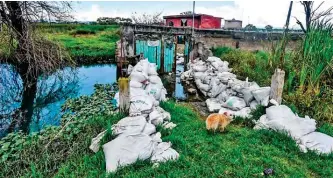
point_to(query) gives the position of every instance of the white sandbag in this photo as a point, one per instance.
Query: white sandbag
(135, 84)
(236, 85)
(278, 112)
(247, 92)
(155, 79)
(318, 142)
(154, 90)
(156, 118)
(254, 104)
(164, 152)
(213, 59)
(199, 68)
(94, 146)
(152, 69)
(261, 123)
(127, 149)
(223, 96)
(213, 105)
(206, 79)
(137, 92)
(144, 63)
(244, 113)
(217, 87)
(149, 129)
(199, 75)
(129, 125)
(166, 115)
(139, 77)
(141, 104)
(226, 76)
(201, 86)
(163, 95)
(262, 95)
(235, 103)
(281, 118)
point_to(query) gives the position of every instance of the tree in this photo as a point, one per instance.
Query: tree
(149, 19)
(250, 27)
(269, 27)
(312, 14)
(29, 54)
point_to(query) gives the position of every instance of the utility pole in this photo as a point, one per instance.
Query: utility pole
(193, 18)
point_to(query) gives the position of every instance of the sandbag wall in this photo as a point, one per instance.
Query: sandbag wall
(226, 93)
(136, 136)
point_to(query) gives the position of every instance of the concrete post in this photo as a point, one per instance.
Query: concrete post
(124, 95)
(277, 85)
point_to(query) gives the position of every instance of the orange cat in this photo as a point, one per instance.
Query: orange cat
(218, 121)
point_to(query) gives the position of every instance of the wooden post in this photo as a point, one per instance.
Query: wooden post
(277, 85)
(174, 57)
(162, 55)
(124, 95)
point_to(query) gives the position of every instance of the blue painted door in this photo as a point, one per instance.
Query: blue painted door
(153, 53)
(169, 55)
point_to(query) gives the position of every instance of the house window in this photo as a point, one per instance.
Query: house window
(171, 23)
(183, 23)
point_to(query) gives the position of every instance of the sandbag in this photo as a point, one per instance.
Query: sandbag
(213, 59)
(152, 69)
(199, 68)
(155, 79)
(164, 152)
(138, 77)
(223, 96)
(135, 84)
(254, 104)
(156, 118)
(235, 103)
(138, 146)
(247, 92)
(281, 118)
(226, 76)
(262, 95)
(318, 142)
(244, 113)
(154, 90)
(213, 105)
(141, 104)
(129, 125)
(217, 88)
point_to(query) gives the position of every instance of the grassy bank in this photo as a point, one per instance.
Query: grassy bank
(239, 152)
(308, 85)
(87, 44)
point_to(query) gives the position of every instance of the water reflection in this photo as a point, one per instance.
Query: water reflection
(52, 92)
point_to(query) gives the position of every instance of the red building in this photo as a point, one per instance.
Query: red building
(200, 21)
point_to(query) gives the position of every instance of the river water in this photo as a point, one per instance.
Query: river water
(79, 81)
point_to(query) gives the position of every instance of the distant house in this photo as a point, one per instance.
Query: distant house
(232, 24)
(200, 21)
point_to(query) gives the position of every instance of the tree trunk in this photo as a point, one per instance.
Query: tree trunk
(27, 104)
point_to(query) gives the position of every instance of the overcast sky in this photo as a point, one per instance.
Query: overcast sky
(259, 13)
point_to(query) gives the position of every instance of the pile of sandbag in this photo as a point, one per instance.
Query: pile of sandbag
(136, 136)
(225, 92)
(302, 130)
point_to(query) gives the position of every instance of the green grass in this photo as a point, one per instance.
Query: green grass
(238, 152)
(86, 43)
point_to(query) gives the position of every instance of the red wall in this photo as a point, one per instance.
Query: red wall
(210, 22)
(177, 22)
(204, 21)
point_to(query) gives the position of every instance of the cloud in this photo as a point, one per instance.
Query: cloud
(258, 13)
(96, 11)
